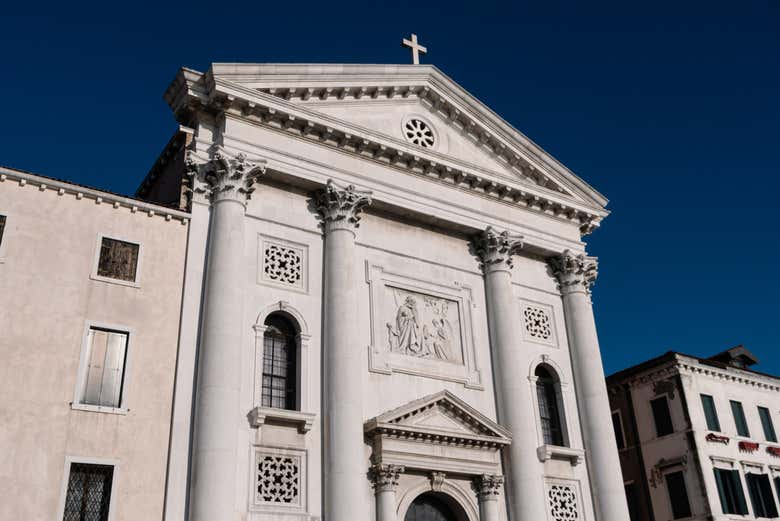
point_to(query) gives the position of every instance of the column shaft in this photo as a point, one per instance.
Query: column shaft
(228, 183)
(345, 466)
(344, 461)
(576, 273)
(524, 486)
(515, 402)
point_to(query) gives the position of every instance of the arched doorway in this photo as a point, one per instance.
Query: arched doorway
(432, 507)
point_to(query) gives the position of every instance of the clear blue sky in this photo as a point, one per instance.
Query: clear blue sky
(670, 109)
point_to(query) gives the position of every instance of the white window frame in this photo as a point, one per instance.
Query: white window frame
(90, 461)
(94, 274)
(84, 367)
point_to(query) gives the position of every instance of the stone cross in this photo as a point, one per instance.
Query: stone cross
(415, 47)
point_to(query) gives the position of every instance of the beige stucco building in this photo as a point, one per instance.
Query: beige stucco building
(53, 299)
(385, 306)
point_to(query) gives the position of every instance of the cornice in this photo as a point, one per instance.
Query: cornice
(682, 364)
(343, 81)
(219, 95)
(23, 179)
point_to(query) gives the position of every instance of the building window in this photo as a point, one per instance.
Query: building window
(118, 260)
(2, 228)
(678, 495)
(279, 363)
(662, 416)
(710, 412)
(732, 497)
(617, 424)
(766, 423)
(761, 495)
(739, 418)
(631, 500)
(89, 492)
(106, 354)
(549, 412)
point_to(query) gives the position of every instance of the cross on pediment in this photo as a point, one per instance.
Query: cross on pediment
(415, 47)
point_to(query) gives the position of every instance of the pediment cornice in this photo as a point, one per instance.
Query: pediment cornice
(470, 427)
(534, 188)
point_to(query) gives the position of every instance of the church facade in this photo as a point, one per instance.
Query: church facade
(385, 305)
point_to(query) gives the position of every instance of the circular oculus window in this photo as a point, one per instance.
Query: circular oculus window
(418, 132)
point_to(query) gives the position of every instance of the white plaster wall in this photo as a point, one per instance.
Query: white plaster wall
(753, 391)
(47, 296)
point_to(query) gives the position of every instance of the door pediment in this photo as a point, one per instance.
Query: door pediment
(439, 418)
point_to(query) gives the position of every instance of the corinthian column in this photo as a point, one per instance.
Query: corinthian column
(515, 404)
(227, 183)
(385, 478)
(488, 488)
(345, 467)
(576, 274)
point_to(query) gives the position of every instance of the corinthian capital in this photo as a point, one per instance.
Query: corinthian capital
(574, 271)
(385, 477)
(488, 486)
(223, 176)
(495, 249)
(340, 208)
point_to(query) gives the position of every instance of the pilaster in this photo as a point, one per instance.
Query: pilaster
(488, 488)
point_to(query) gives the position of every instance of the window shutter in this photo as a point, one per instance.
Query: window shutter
(739, 418)
(741, 503)
(113, 371)
(710, 413)
(766, 424)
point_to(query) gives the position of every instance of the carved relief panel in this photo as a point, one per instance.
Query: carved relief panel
(421, 328)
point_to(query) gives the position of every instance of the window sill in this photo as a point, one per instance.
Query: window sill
(260, 416)
(574, 456)
(99, 408)
(118, 282)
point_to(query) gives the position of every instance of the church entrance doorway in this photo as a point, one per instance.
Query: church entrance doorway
(432, 507)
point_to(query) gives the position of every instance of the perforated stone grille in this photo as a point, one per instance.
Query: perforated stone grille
(537, 323)
(278, 479)
(418, 132)
(283, 264)
(563, 502)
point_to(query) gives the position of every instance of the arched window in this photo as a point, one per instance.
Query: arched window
(549, 411)
(429, 507)
(279, 363)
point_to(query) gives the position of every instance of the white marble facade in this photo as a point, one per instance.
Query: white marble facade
(430, 258)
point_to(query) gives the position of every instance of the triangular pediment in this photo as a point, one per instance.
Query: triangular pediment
(441, 415)
(399, 118)
(363, 109)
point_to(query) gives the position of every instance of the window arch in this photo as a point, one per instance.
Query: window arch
(279, 366)
(550, 409)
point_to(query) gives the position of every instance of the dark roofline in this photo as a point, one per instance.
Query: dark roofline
(670, 356)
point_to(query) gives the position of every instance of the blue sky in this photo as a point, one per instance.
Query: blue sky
(669, 109)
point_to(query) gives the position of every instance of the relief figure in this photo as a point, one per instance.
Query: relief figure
(423, 334)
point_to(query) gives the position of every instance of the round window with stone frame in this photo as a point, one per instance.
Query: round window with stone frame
(419, 132)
